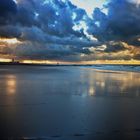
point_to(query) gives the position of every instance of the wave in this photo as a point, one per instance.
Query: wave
(128, 68)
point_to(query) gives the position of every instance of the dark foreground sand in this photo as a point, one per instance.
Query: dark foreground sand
(68, 103)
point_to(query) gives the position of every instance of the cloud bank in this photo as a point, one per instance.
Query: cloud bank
(59, 30)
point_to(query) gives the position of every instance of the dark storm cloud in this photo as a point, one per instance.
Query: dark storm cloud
(114, 47)
(46, 29)
(10, 31)
(8, 9)
(35, 34)
(53, 17)
(49, 51)
(134, 41)
(121, 22)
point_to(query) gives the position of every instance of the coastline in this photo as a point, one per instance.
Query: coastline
(95, 67)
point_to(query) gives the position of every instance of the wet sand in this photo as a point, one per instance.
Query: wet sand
(68, 103)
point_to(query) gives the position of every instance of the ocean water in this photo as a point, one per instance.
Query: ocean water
(130, 68)
(69, 103)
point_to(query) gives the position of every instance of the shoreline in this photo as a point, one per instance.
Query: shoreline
(33, 64)
(96, 67)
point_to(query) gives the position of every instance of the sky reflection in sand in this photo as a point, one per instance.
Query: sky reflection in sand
(69, 81)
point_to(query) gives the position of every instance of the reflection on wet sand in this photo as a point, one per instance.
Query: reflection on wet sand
(76, 81)
(113, 84)
(11, 84)
(68, 101)
(82, 81)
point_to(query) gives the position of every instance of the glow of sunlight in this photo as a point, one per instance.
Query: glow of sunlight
(37, 62)
(10, 40)
(121, 62)
(5, 60)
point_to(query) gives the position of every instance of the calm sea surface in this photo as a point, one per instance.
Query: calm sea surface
(68, 103)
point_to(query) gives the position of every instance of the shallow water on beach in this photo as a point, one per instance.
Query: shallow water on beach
(69, 103)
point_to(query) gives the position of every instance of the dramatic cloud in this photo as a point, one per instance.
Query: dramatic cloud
(120, 24)
(45, 28)
(57, 29)
(8, 9)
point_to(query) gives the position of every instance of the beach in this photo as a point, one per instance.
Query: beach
(68, 103)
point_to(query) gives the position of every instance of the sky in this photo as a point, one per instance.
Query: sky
(89, 5)
(70, 30)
